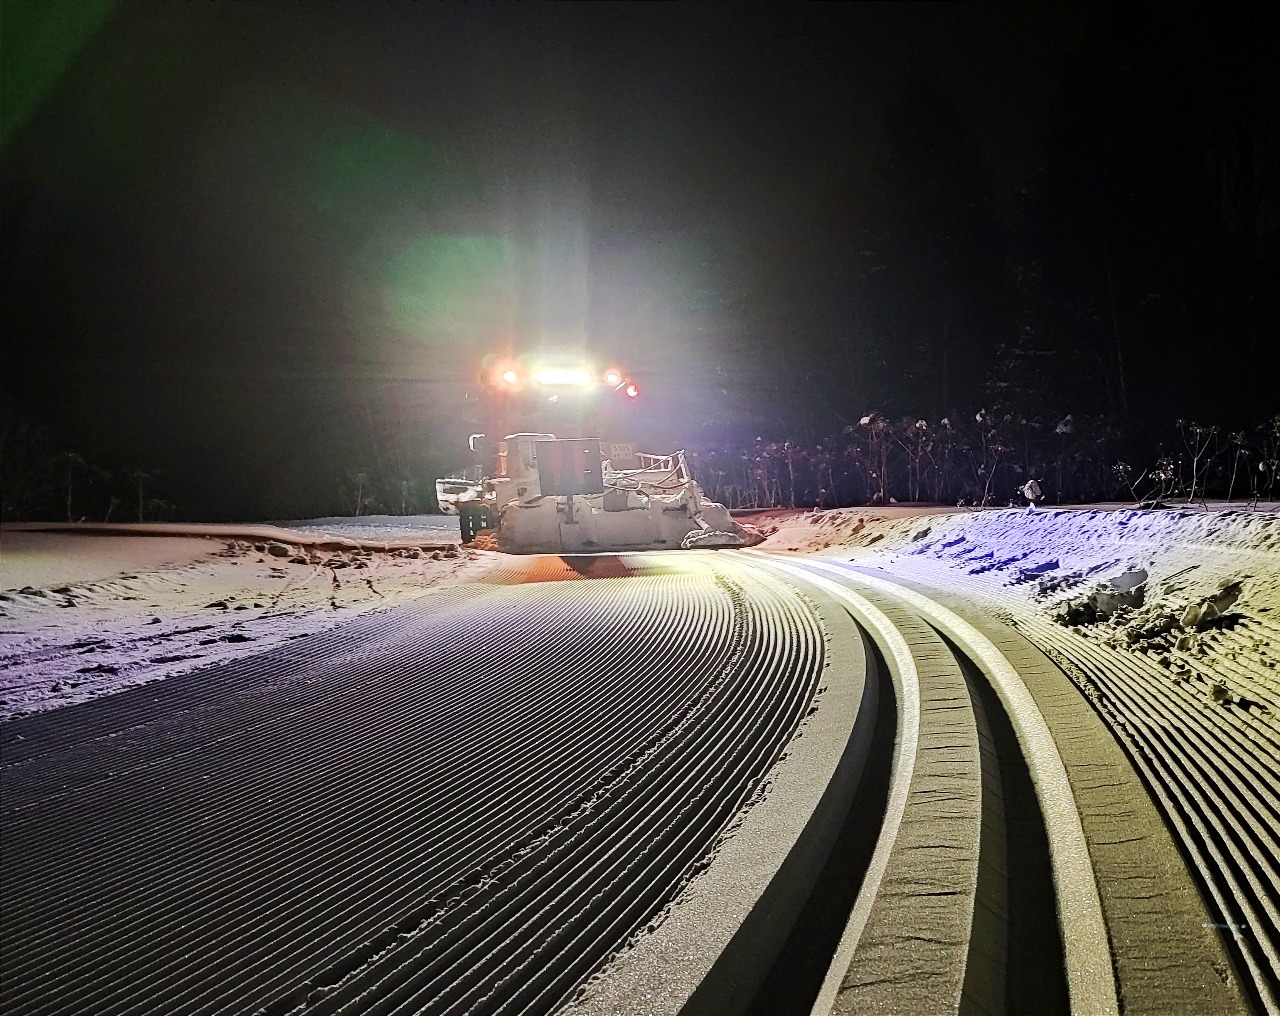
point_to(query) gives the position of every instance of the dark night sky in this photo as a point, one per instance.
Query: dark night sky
(241, 237)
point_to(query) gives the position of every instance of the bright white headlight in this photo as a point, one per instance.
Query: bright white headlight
(563, 376)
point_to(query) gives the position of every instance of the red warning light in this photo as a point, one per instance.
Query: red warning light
(631, 391)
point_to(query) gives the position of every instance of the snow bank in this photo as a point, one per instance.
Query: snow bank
(1196, 590)
(84, 614)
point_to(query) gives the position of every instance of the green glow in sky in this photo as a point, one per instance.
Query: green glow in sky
(454, 289)
(38, 41)
(395, 208)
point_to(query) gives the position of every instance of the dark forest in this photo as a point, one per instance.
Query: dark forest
(253, 254)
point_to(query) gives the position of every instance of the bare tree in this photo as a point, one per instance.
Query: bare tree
(364, 497)
(73, 466)
(142, 478)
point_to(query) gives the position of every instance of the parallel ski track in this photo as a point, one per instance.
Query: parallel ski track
(460, 805)
(1211, 770)
(928, 932)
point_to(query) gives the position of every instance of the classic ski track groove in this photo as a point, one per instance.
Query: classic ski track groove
(927, 900)
(1218, 798)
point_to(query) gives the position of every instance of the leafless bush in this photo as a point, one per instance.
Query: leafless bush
(985, 460)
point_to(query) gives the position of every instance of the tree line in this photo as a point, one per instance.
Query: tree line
(386, 464)
(988, 459)
(1133, 277)
(1132, 280)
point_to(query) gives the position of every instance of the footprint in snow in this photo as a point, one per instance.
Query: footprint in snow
(233, 637)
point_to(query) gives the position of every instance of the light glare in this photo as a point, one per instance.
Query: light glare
(563, 376)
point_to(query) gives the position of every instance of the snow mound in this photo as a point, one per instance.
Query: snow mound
(85, 614)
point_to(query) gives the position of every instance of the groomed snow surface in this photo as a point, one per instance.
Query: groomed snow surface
(1167, 620)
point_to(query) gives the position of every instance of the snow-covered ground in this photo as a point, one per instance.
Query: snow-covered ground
(86, 611)
(1195, 589)
(1177, 611)
(1168, 623)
